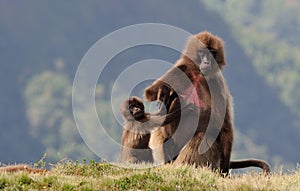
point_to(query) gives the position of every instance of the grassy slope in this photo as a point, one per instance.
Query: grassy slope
(95, 176)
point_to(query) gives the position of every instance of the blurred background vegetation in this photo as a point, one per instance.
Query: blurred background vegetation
(43, 42)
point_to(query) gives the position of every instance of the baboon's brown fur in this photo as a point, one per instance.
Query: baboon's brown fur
(213, 83)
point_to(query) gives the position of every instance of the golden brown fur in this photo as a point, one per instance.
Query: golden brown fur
(216, 110)
(135, 147)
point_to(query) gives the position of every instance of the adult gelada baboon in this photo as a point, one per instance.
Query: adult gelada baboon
(211, 143)
(137, 128)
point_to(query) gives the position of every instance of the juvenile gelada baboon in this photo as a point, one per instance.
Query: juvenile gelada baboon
(137, 128)
(211, 143)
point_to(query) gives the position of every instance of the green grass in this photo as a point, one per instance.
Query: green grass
(102, 176)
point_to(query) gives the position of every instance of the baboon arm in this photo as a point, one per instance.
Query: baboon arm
(170, 117)
(250, 163)
(177, 78)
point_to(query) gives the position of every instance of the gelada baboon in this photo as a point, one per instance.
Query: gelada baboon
(137, 129)
(211, 144)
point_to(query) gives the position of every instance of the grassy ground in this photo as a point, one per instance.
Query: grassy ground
(103, 176)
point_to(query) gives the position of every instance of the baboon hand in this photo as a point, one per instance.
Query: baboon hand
(163, 96)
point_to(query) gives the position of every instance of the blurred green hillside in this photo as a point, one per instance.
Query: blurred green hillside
(43, 42)
(269, 33)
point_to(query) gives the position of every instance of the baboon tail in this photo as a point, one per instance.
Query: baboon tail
(250, 163)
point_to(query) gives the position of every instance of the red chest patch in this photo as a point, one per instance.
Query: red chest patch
(190, 94)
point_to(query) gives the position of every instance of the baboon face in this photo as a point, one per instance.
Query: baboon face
(132, 109)
(206, 60)
(136, 108)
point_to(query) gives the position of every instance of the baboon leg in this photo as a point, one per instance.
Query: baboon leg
(156, 144)
(226, 142)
